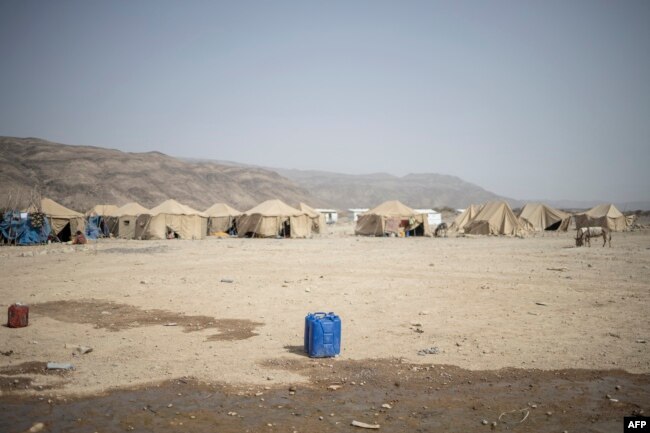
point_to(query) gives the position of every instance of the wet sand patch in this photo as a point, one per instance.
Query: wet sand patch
(396, 395)
(115, 317)
(17, 377)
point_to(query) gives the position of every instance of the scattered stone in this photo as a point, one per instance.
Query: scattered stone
(82, 350)
(171, 324)
(269, 377)
(484, 422)
(423, 313)
(618, 387)
(232, 413)
(386, 406)
(292, 388)
(170, 405)
(320, 418)
(7, 353)
(641, 341)
(549, 413)
(307, 289)
(334, 387)
(227, 280)
(36, 427)
(365, 425)
(493, 425)
(430, 351)
(542, 304)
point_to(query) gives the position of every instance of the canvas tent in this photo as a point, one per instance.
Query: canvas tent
(102, 210)
(544, 218)
(124, 219)
(64, 222)
(171, 219)
(495, 218)
(221, 218)
(604, 215)
(465, 217)
(273, 218)
(392, 218)
(317, 218)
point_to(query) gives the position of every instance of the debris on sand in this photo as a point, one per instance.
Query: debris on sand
(365, 425)
(543, 304)
(334, 387)
(59, 366)
(227, 280)
(82, 350)
(430, 351)
(557, 269)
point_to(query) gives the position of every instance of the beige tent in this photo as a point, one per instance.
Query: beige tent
(123, 220)
(102, 210)
(392, 217)
(495, 218)
(64, 222)
(465, 217)
(274, 218)
(317, 218)
(171, 219)
(604, 215)
(542, 217)
(221, 218)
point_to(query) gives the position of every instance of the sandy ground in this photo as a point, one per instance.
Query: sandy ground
(485, 303)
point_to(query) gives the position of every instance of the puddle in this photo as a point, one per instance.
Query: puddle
(114, 317)
(421, 399)
(13, 377)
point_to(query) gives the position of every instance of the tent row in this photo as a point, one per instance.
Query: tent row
(170, 219)
(273, 218)
(497, 218)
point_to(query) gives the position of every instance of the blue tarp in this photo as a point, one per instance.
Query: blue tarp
(20, 230)
(96, 227)
(92, 227)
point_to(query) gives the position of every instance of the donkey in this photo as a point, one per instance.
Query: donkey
(584, 235)
(441, 230)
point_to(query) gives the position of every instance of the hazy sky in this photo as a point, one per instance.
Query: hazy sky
(545, 99)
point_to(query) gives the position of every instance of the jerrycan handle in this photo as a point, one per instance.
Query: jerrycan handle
(319, 314)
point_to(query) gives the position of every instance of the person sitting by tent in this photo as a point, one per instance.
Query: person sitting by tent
(79, 238)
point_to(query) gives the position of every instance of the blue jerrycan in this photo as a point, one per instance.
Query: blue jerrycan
(322, 335)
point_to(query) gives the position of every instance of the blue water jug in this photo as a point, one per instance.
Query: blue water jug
(322, 335)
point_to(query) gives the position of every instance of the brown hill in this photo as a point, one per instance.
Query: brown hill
(426, 190)
(81, 176)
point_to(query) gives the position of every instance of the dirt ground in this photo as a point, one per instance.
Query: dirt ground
(517, 322)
